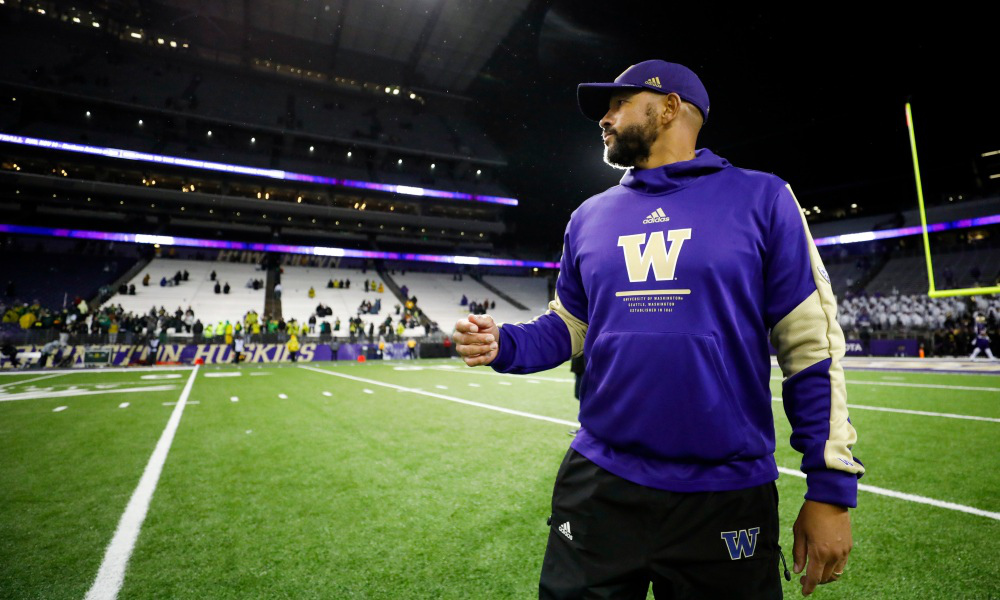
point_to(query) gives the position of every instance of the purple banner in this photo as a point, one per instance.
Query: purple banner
(186, 354)
(395, 350)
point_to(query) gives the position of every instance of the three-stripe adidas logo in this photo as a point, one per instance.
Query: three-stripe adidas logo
(657, 216)
(655, 81)
(564, 529)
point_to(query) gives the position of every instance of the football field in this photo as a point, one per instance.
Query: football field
(419, 479)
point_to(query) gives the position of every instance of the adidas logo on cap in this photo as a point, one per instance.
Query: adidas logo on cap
(654, 81)
(657, 216)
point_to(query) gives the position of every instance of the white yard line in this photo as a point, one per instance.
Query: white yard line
(861, 486)
(105, 370)
(909, 497)
(491, 373)
(112, 571)
(69, 393)
(59, 408)
(50, 375)
(935, 386)
(448, 398)
(905, 411)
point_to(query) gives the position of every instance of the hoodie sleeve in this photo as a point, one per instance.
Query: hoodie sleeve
(801, 312)
(555, 336)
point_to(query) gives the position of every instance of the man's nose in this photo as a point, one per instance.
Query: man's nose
(606, 120)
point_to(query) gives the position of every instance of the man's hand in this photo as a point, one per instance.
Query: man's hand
(477, 340)
(823, 536)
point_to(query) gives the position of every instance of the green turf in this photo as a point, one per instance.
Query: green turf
(394, 494)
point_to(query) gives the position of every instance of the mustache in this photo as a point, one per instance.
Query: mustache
(608, 131)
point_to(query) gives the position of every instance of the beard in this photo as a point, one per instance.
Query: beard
(631, 144)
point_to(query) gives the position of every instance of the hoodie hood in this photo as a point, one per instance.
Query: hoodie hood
(674, 176)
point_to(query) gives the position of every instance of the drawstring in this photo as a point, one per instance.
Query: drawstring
(788, 576)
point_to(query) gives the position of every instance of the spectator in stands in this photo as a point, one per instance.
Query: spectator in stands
(277, 291)
(371, 332)
(336, 324)
(226, 288)
(251, 283)
(131, 289)
(145, 280)
(312, 292)
(212, 276)
(348, 284)
(218, 288)
(329, 284)
(185, 275)
(177, 278)
(163, 282)
(293, 348)
(312, 324)
(411, 347)
(405, 291)
(381, 288)
(113, 331)
(197, 329)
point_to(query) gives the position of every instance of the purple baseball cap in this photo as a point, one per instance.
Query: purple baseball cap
(656, 75)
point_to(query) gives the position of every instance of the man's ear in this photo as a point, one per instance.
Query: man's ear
(671, 107)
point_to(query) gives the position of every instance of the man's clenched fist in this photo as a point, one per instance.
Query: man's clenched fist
(477, 340)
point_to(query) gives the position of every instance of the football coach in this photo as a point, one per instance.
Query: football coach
(672, 283)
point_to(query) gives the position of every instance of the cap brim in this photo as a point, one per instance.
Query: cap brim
(594, 98)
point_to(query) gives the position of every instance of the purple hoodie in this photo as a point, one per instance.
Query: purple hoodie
(671, 284)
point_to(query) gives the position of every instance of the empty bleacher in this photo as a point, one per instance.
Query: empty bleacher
(296, 303)
(198, 292)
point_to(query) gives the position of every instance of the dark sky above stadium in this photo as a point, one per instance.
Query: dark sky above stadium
(817, 99)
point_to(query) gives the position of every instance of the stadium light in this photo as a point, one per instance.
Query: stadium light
(75, 19)
(96, 24)
(161, 159)
(173, 44)
(348, 154)
(209, 133)
(136, 35)
(991, 153)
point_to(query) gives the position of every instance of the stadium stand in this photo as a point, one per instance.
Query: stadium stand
(198, 292)
(345, 303)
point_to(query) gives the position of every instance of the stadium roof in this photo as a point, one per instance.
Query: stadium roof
(439, 44)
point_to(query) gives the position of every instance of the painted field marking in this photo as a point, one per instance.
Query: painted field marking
(74, 392)
(368, 391)
(905, 411)
(448, 398)
(234, 399)
(474, 385)
(59, 408)
(81, 370)
(327, 394)
(112, 571)
(260, 374)
(910, 497)
(225, 374)
(283, 396)
(441, 387)
(49, 376)
(794, 472)
(505, 383)
(162, 376)
(935, 386)
(491, 373)
(123, 405)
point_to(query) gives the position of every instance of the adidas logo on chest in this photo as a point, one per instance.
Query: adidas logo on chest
(657, 216)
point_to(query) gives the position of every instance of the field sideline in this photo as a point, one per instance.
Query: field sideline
(419, 479)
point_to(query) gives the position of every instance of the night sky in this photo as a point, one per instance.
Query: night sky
(817, 101)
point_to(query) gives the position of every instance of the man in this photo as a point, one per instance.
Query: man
(981, 339)
(669, 284)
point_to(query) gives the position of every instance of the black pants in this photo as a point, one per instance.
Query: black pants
(609, 538)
